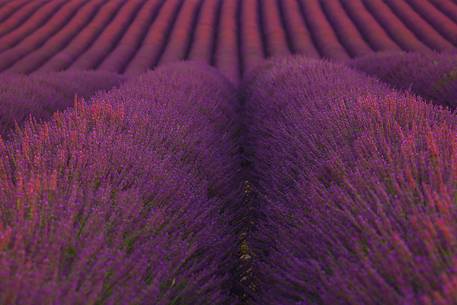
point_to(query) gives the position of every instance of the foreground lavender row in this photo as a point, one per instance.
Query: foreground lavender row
(355, 189)
(40, 95)
(121, 201)
(432, 76)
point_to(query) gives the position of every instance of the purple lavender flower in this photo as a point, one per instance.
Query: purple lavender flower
(125, 199)
(430, 75)
(41, 94)
(355, 188)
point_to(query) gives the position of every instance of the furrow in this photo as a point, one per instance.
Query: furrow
(84, 39)
(59, 41)
(344, 28)
(302, 40)
(262, 27)
(20, 16)
(10, 8)
(150, 48)
(422, 29)
(181, 33)
(34, 23)
(203, 41)
(323, 33)
(31, 43)
(226, 57)
(444, 25)
(107, 40)
(447, 7)
(250, 35)
(285, 26)
(119, 58)
(274, 32)
(373, 33)
(395, 28)
(191, 39)
(168, 34)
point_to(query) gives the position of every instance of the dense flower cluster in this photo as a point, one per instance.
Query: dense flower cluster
(432, 76)
(314, 184)
(356, 188)
(41, 94)
(121, 200)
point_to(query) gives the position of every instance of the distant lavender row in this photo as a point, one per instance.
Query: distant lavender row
(40, 95)
(131, 37)
(121, 201)
(431, 75)
(355, 186)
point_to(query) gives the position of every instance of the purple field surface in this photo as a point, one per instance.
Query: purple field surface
(228, 152)
(132, 36)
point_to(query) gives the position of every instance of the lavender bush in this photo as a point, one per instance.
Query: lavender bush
(432, 75)
(41, 94)
(123, 200)
(355, 188)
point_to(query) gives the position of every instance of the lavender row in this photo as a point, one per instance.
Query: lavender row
(432, 75)
(123, 200)
(41, 94)
(355, 188)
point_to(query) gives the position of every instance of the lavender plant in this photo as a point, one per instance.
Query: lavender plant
(355, 187)
(430, 75)
(41, 94)
(122, 200)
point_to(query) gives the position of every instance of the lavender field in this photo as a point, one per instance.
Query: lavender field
(228, 152)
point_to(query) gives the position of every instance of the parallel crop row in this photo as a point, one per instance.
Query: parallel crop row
(82, 42)
(203, 42)
(149, 52)
(275, 35)
(300, 35)
(345, 28)
(51, 46)
(423, 30)
(8, 8)
(226, 55)
(437, 18)
(235, 36)
(35, 40)
(182, 33)
(12, 38)
(323, 34)
(108, 38)
(16, 18)
(125, 49)
(252, 44)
